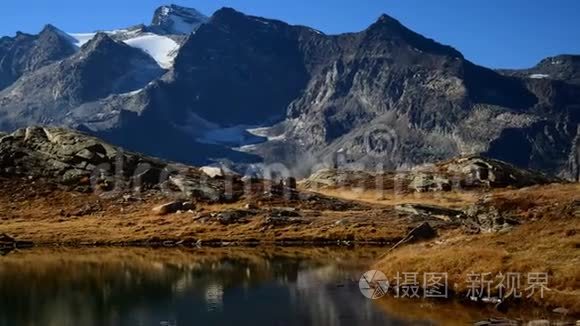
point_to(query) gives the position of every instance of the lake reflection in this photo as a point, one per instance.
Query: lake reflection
(195, 287)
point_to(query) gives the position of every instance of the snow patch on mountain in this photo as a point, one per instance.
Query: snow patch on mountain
(161, 48)
(270, 133)
(80, 39)
(235, 136)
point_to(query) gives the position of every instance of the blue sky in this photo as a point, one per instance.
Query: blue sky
(494, 33)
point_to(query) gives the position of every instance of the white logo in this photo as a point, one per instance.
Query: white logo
(373, 284)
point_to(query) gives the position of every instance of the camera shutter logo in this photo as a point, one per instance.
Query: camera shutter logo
(373, 284)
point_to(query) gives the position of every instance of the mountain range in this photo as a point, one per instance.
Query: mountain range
(248, 90)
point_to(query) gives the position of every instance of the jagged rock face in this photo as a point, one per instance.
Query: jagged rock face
(237, 69)
(25, 53)
(174, 19)
(573, 171)
(48, 95)
(562, 67)
(389, 96)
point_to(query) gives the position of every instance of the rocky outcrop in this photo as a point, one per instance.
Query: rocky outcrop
(478, 218)
(426, 183)
(173, 19)
(474, 172)
(84, 162)
(462, 173)
(487, 219)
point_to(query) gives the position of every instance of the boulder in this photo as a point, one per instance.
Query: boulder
(7, 241)
(172, 207)
(422, 232)
(213, 171)
(443, 213)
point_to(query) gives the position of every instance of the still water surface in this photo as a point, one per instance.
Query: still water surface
(277, 286)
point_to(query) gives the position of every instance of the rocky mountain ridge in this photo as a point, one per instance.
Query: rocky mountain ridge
(385, 95)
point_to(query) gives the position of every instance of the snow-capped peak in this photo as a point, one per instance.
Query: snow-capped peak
(173, 19)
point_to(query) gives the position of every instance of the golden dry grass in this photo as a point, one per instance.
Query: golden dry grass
(48, 217)
(390, 198)
(547, 241)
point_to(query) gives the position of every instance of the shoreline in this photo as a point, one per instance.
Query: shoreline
(361, 257)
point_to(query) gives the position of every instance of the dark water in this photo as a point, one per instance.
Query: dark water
(164, 287)
(142, 287)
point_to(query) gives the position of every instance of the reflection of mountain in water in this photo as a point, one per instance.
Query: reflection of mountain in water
(63, 289)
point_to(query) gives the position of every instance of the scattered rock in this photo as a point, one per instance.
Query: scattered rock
(487, 219)
(87, 209)
(284, 216)
(428, 182)
(233, 216)
(561, 311)
(283, 220)
(285, 212)
(173, 207)
(228, 217)
(251, 206)
(422, 232)
(442, 213)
